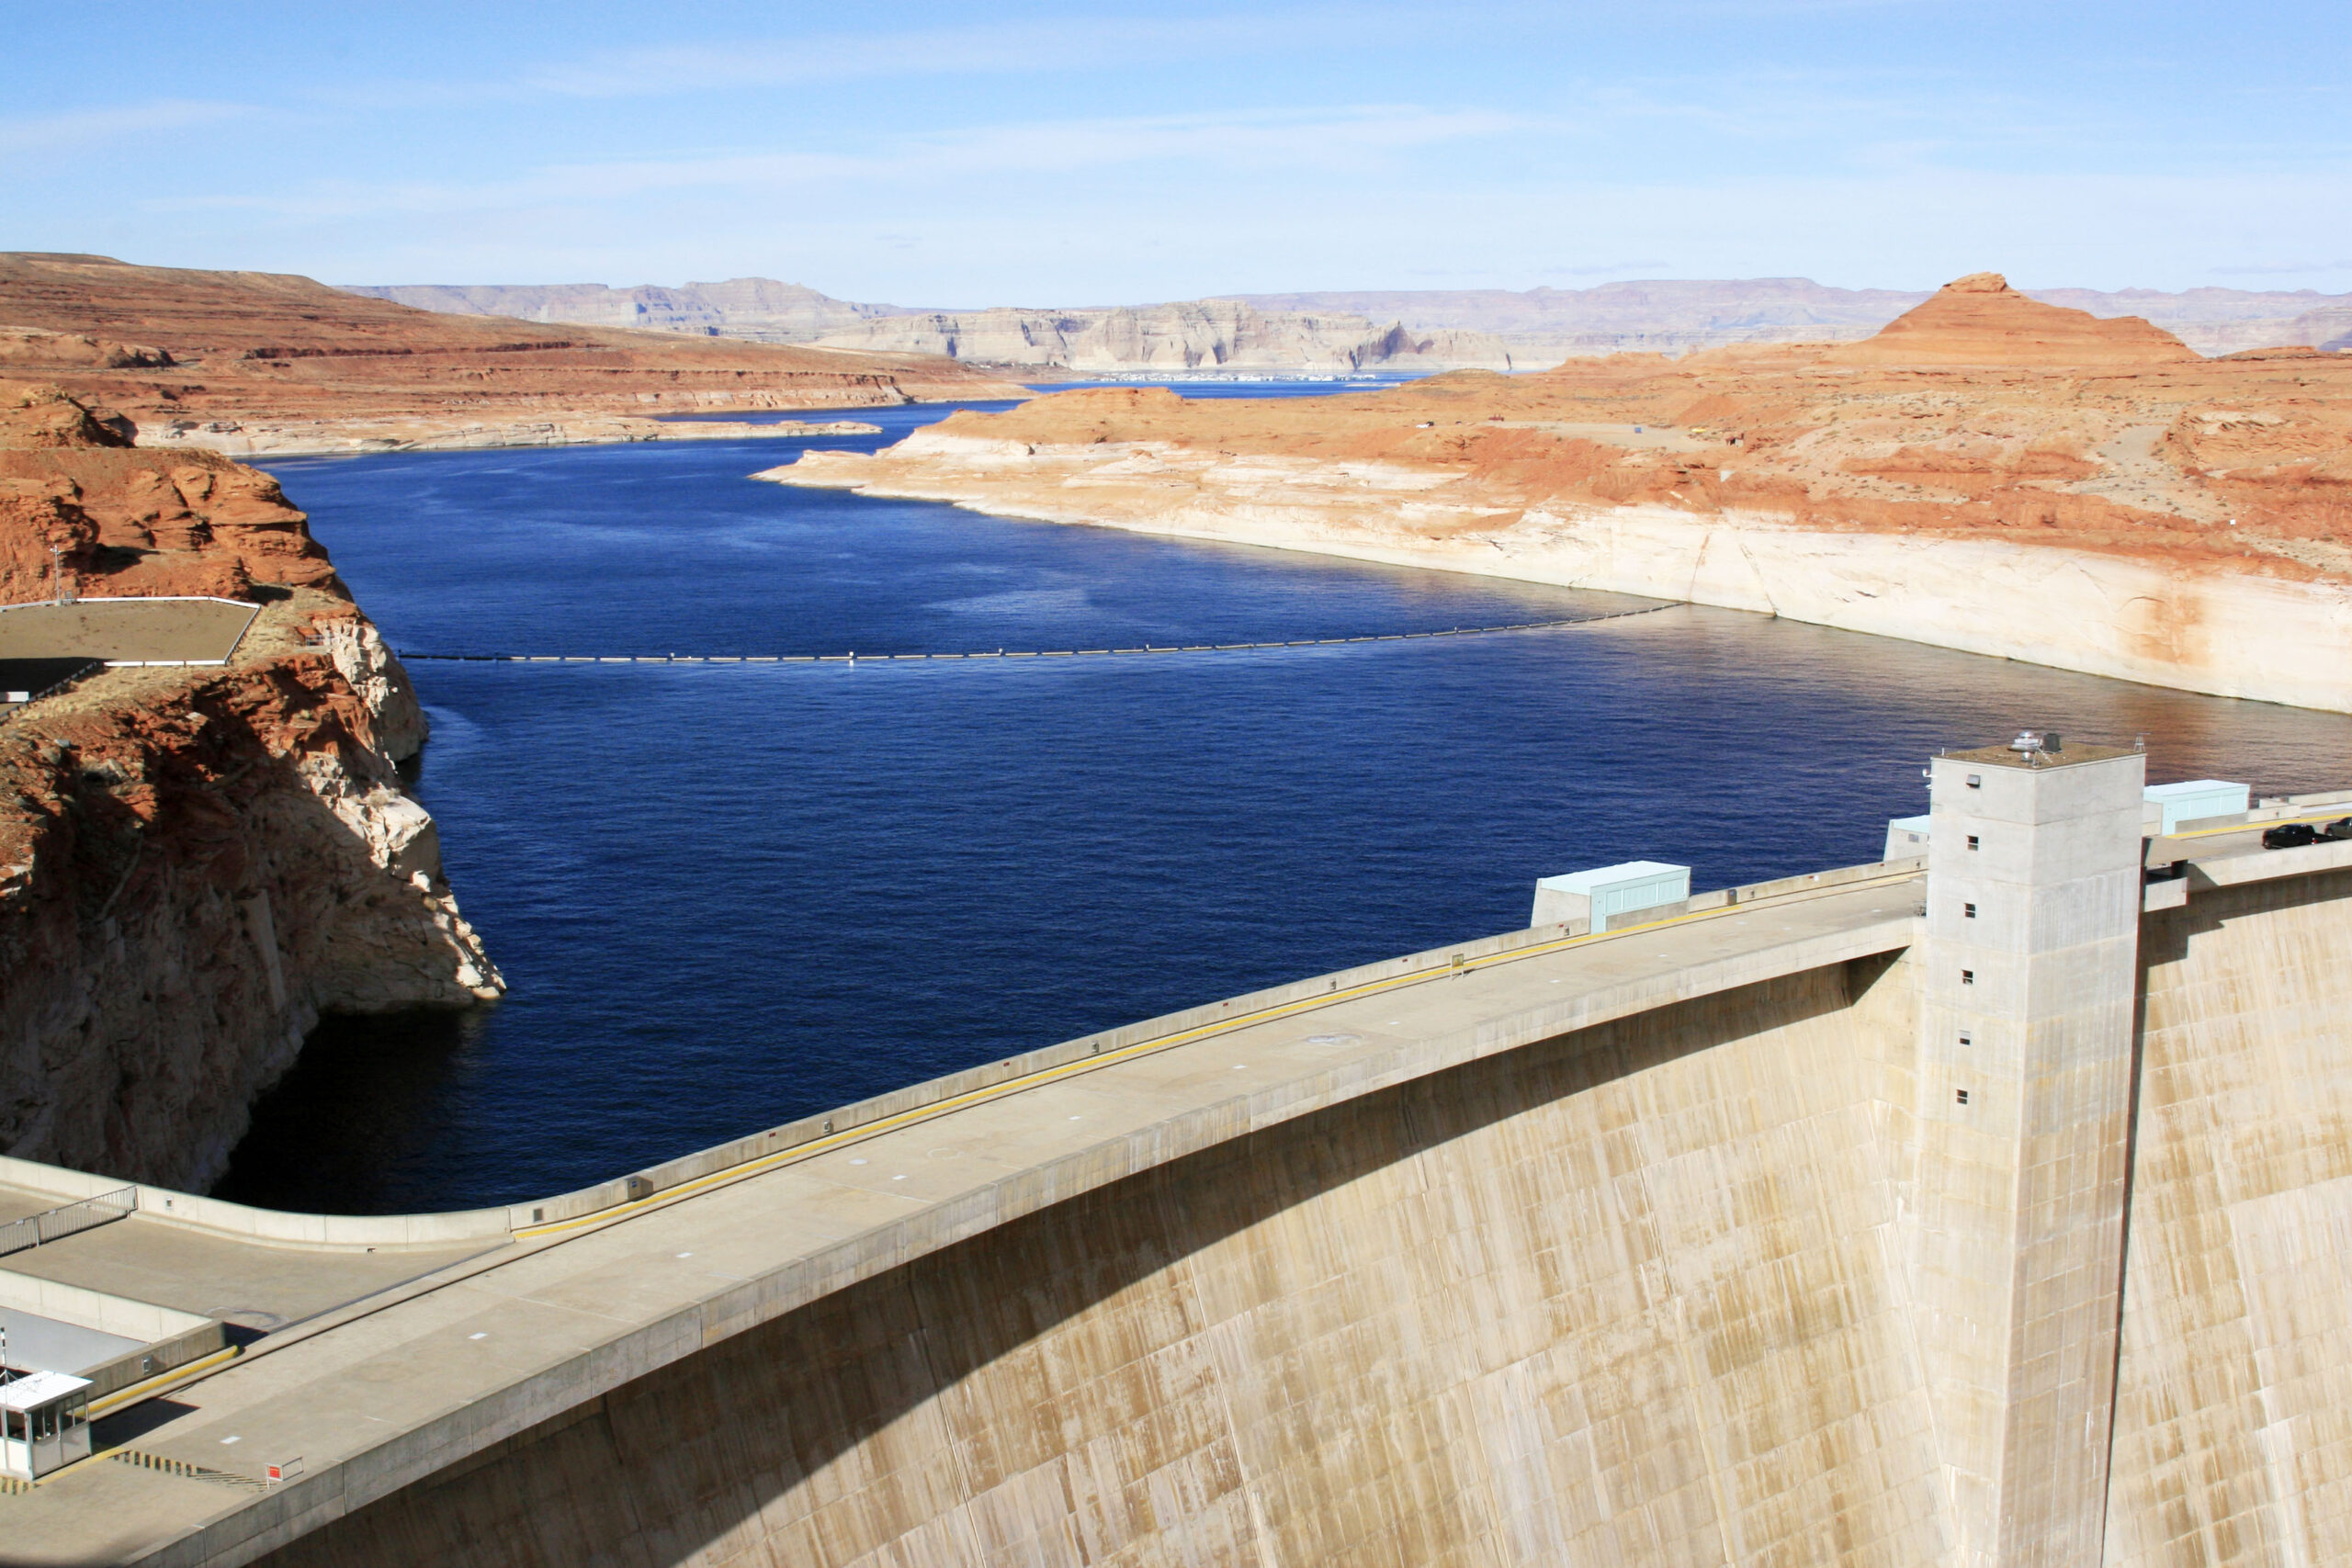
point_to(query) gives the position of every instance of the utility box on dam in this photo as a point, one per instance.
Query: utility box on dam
(1612, 895)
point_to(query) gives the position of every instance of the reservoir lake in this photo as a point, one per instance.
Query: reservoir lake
(725, 895)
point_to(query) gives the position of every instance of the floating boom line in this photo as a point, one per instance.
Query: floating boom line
(851, 658)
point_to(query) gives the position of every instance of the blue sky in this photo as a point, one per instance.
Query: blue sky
(1065, 154)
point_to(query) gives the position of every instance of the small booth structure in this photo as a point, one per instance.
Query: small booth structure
(2170, 805)
(1906, 838)
(44, 1424)
(1612, 895)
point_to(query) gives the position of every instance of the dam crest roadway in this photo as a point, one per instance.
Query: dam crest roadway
(1660, 1243)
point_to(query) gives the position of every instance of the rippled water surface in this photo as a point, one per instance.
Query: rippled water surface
(725, 895)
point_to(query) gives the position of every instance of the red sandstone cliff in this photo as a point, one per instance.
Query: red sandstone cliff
(195, 863)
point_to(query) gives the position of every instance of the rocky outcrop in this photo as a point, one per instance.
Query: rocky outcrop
(30, 345)
(1981, 321)
(2152, 515)
(196, 865)
(76, 499)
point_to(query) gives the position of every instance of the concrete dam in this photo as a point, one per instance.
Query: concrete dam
(1990, 1205)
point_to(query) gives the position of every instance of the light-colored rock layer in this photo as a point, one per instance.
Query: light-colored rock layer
(2105, 612)
(1189, 335)
(1624, 1298)
(1182, 334)
(333, 437)
(760, 309)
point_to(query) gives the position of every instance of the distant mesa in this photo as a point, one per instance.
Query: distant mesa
(250, 363)
(1431, 330)
(1981, 321)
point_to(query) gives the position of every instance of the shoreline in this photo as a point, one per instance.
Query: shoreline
(234, 438)
(2238, 635)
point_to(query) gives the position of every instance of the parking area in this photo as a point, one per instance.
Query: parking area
(126, 631)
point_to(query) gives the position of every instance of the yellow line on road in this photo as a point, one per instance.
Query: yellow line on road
(2328, 816)
(828, 1143)
(153, 1386)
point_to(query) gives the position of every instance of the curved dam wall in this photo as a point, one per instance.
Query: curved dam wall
(1988, 1213)
(1624, 1296)
(2234, 1402)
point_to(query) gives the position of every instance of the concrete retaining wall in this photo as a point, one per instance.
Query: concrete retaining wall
(164, 1205)
(142, 1321)
(166, 1338)
(1623, 1296)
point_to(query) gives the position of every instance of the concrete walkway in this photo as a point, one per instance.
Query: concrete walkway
(385, 1392)
(252, 1284)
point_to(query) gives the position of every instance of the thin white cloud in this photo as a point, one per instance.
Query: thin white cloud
(1001, 46)
(99, 126)
(1652, 265)
(1284, 143)
(2281, 269)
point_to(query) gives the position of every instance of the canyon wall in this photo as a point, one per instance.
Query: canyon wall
(1533, 327)
(195, 863)
(1188, 335)
(758, 309)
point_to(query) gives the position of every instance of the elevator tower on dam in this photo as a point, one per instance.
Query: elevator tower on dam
(1983, 1208)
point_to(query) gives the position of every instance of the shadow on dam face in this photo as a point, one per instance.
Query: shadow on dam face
(1068, 1386)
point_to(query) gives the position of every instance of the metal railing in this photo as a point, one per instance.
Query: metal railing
(53, 1224)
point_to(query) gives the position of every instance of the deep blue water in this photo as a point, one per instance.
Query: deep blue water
(725, 895)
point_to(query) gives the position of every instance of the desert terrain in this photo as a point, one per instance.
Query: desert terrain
(1987, 473)
(1493, 329)
(249, 363)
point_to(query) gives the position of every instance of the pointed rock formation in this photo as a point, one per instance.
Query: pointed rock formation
(1981, 321)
